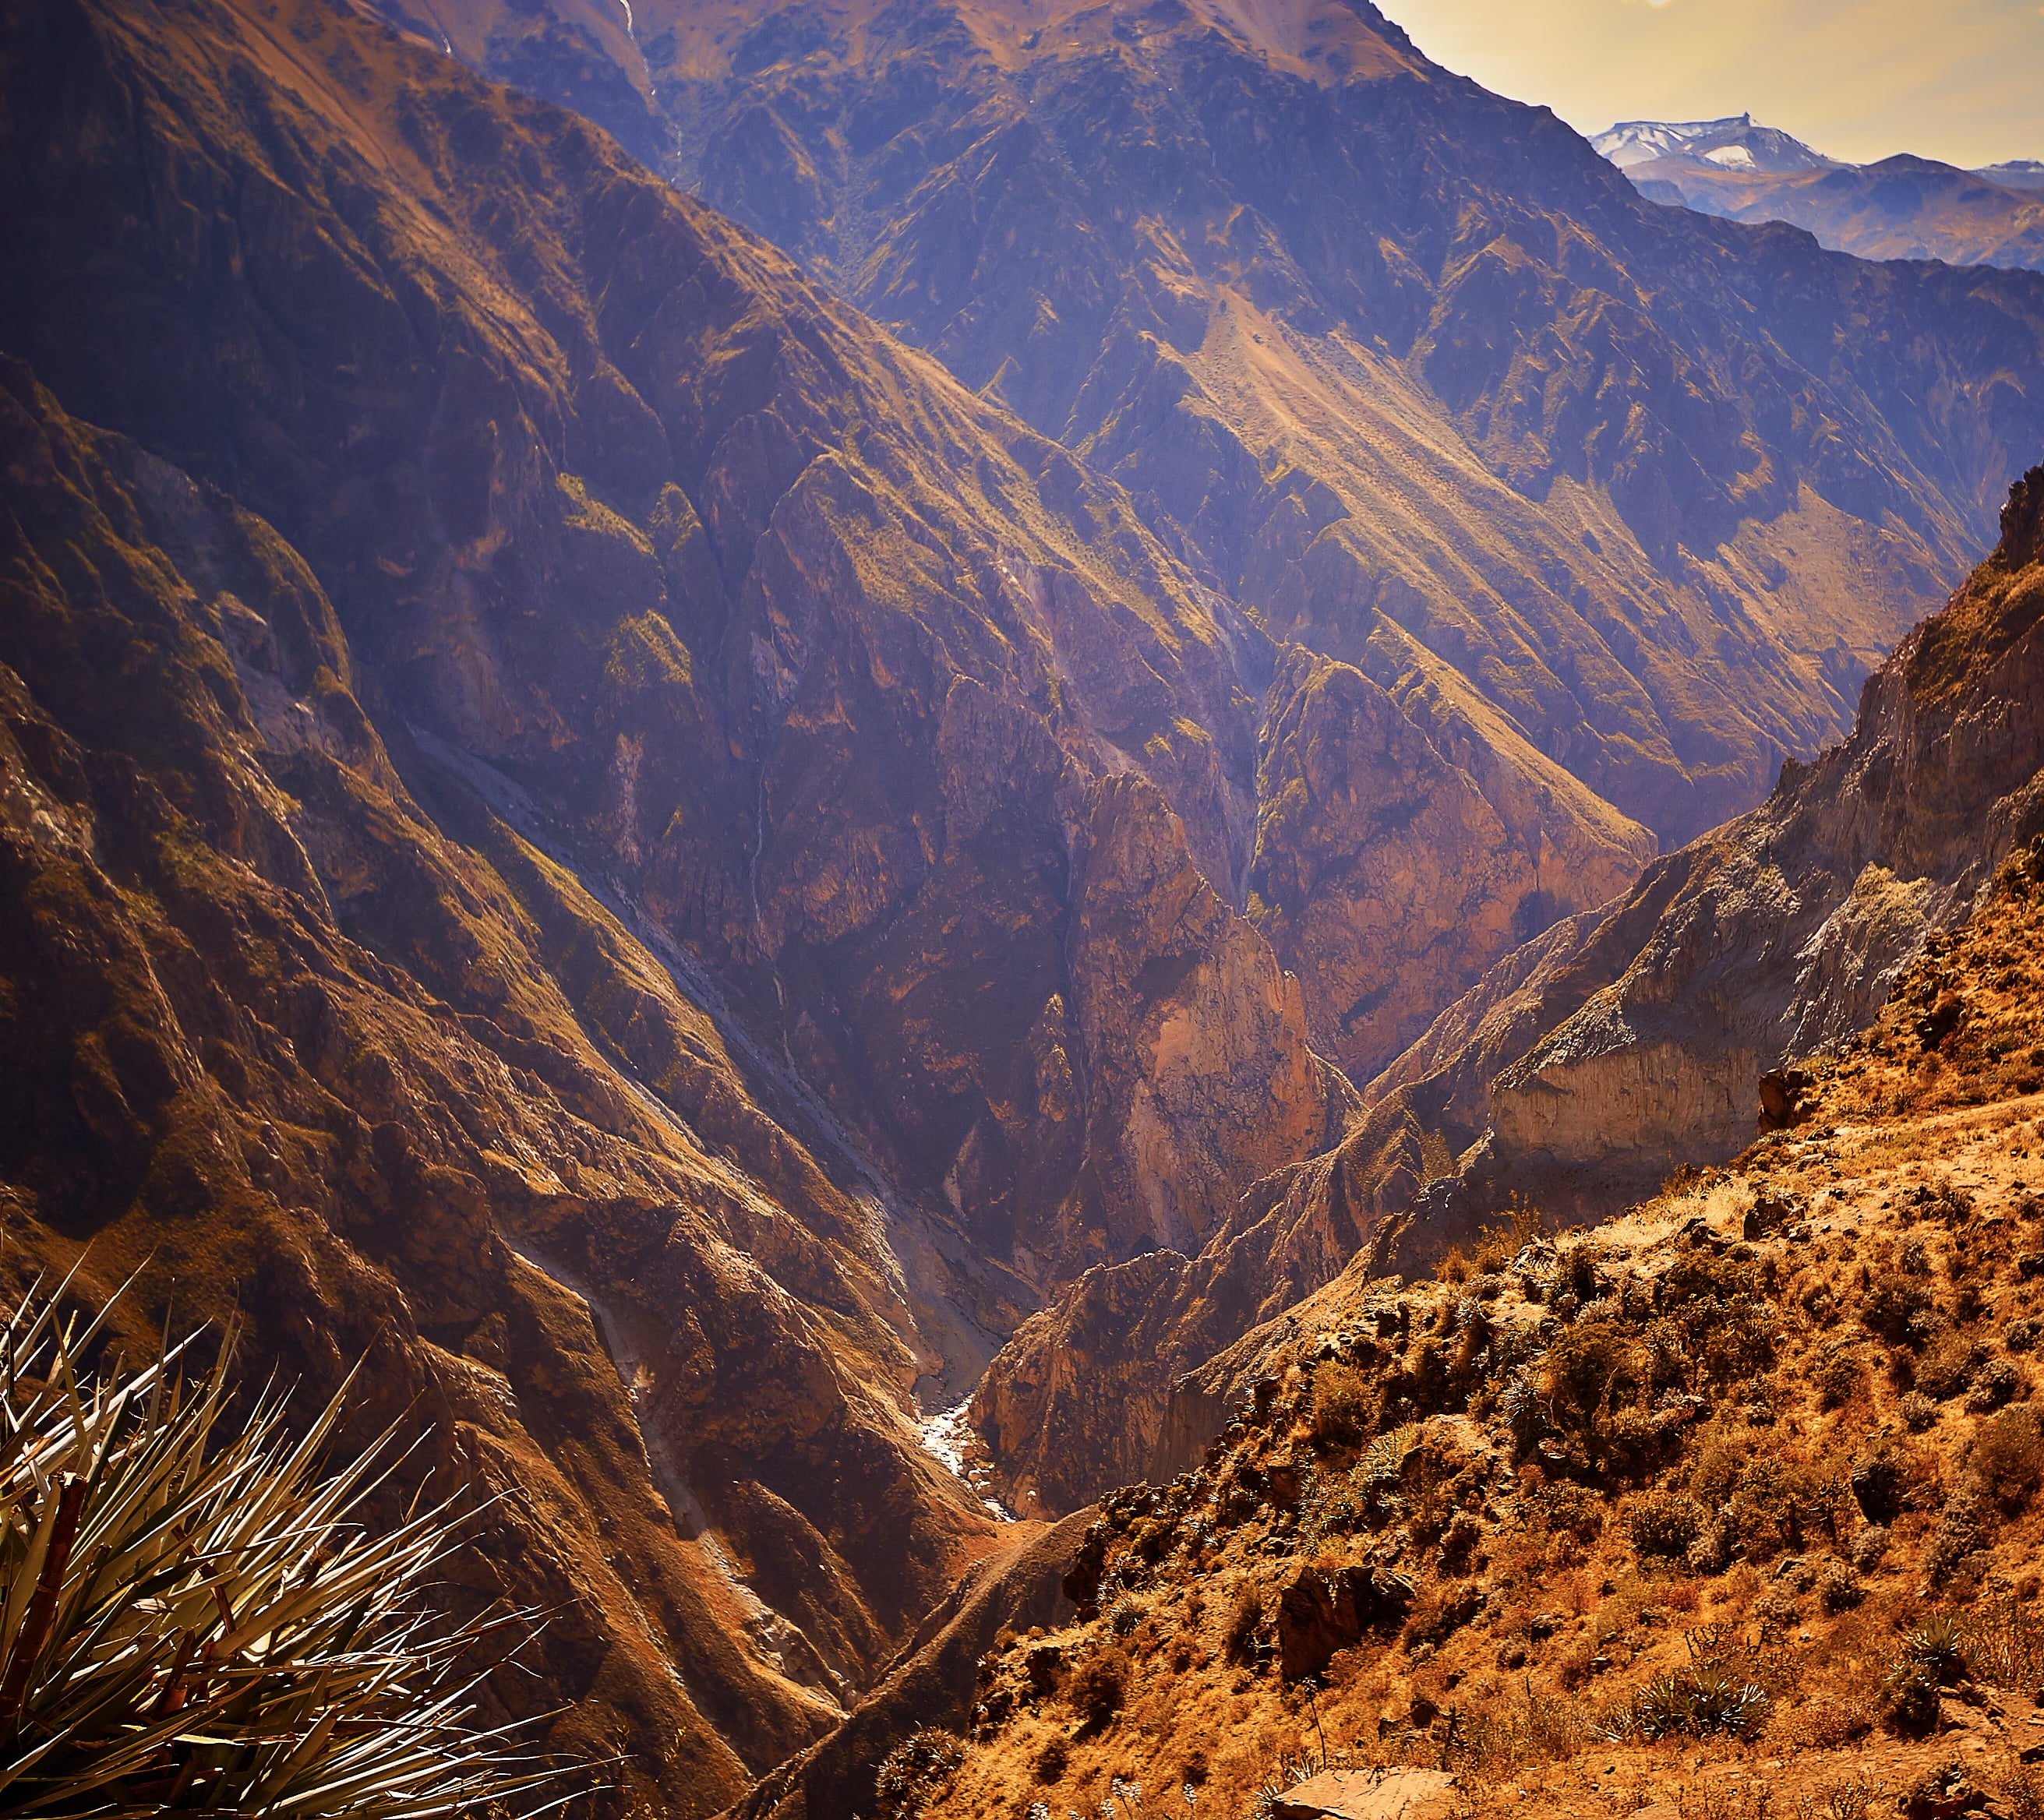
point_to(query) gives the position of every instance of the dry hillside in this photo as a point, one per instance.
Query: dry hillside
(1728, 1507)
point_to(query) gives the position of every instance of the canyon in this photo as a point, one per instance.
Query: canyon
(698, 849)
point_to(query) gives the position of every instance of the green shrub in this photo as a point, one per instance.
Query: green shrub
(1907, 1701)
(1932, 1658)
(1994, 1385)
(1894, 1305)
(1838, 1587)
(1704, 1700)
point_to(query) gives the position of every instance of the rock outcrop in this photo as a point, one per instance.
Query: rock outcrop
(1634, 1040)
(1385, 878)
(933, 1681)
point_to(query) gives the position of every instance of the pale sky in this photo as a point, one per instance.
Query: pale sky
(1962, 80)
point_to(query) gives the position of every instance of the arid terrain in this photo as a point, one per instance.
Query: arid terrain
(862, 786)
(1728, 1506)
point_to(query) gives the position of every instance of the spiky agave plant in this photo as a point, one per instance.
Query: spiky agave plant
(199, 1620)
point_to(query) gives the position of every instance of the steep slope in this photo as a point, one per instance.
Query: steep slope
(1619, 1047)
(1731, 1505)
(1635, 1041)
(1620, 507)
(273, 1041)
(616, 822)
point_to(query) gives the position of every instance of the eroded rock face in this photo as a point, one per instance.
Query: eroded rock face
(278, 1044)
(674, 843)
(1384, 877)
(1636, 1038)
(1088, 1394)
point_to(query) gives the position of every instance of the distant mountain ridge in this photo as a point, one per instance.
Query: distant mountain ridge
(1733, 143)
(1902, 207)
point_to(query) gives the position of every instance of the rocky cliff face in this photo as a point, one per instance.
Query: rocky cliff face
(1593, 1060)
(1635, 1039)
(574, 803)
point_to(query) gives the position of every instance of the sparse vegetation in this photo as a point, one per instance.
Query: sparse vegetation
(915, 1773)
(1755, 1469)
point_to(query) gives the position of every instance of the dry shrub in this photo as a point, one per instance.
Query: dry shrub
(1244, 1615)
(1778, 1504)
(1948, 1366)
(1856, 1798)
(2003, 1642)
(2019, 1788)
(1665, 1523)
(1342, 1401)
(1053, 1759)
(1840, 1381)
(1917, 1411)
(1829, 1723)
(2008, 1456)
(1099, 1684)
(1535, 1728)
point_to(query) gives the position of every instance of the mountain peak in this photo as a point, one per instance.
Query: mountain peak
(1733, 143)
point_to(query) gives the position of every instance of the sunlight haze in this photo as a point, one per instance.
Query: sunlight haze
(1857, 79)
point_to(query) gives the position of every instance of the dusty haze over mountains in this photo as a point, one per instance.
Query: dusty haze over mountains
(727, 723)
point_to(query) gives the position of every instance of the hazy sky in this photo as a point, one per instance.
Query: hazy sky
(1962, 80)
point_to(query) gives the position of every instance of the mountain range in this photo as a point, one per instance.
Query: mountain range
(833, 714)
(1898, 208)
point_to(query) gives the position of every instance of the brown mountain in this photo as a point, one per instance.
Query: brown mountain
(583, 822)
(1615, 507)
(1898, 208)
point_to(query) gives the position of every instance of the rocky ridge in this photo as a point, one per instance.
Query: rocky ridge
(1902, 207)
